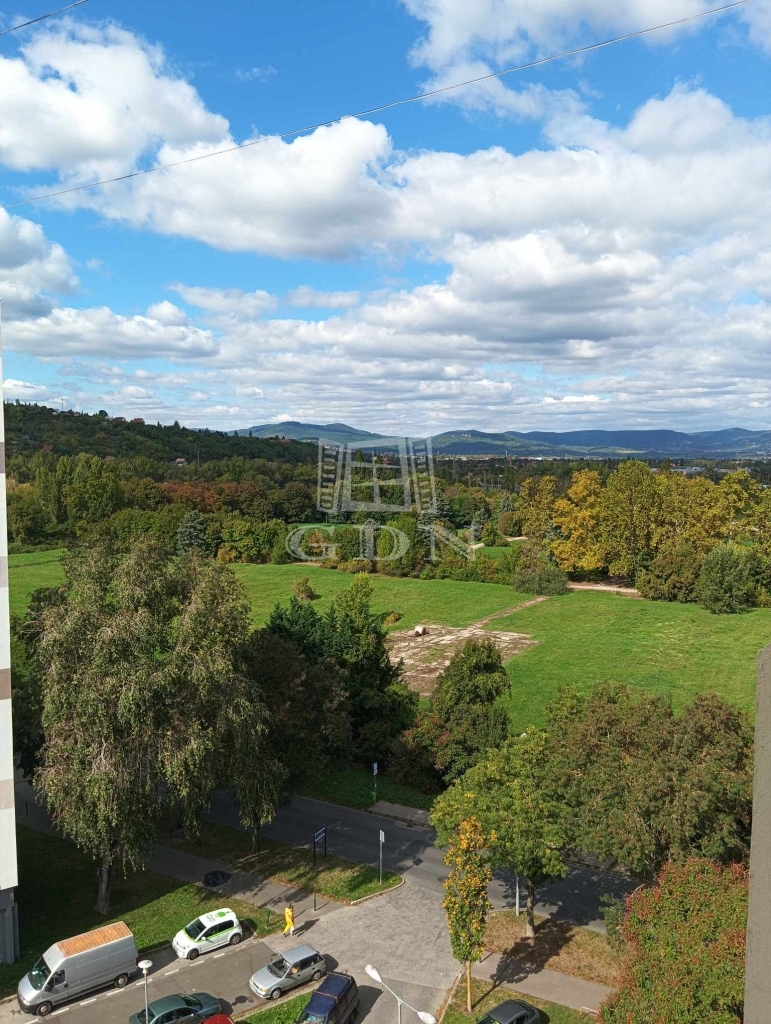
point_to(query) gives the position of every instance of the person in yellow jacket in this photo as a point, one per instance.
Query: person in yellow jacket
(289, 920)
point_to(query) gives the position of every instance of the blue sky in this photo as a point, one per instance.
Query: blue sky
(582, 244)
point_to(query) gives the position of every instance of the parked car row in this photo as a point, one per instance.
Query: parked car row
(108, 956)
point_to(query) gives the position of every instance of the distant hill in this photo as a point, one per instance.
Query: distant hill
(734, 442)
(32, 428)
(339, 432)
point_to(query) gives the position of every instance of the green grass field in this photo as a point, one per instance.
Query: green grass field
(57, 890)
(28, 572)
(353, 786)
(678, 649)
(584, 637)
(446, 602)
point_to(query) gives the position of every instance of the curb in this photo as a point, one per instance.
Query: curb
(448, 998)
(404, 822)
(383, 892)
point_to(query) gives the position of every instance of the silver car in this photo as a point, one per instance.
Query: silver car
(295, 967)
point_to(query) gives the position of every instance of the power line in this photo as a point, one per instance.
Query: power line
(42, 17)
(374, 110)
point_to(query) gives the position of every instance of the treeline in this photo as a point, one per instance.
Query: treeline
(30, 428)
(140, 686)
(56, 499)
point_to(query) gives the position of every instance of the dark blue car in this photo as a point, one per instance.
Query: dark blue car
(336, 999)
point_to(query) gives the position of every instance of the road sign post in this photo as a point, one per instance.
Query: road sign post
(374, 782)
(382, 840)
(321, 834)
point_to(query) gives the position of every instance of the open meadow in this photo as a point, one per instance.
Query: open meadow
(582, 638)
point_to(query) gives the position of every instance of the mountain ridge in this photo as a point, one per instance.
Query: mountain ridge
(727, 442)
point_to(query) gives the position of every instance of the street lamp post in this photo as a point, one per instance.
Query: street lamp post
(427, 1018)
(144, 966)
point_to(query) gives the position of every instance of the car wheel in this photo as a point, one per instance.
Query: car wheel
(193, 954)
(316, 975)
(276, 993)
(121, 981)
(44, 1009)
(235, 939)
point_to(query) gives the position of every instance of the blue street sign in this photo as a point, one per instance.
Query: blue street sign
(374, 767)
(320, 834)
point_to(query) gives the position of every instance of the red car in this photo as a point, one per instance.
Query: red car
(219, 1018)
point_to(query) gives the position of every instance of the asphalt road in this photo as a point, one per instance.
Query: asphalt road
(225, 974)
(410, 851)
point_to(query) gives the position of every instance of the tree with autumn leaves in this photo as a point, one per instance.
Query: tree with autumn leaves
(465, 894)
(684, 942)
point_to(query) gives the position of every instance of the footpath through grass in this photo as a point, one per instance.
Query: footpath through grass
(484, 996)
(29, 572)
(352, 787)
(446, 602)
(333, 877)
(57, 892)
(588, 637)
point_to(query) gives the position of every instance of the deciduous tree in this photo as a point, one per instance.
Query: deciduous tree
(684, 948)
(577, 518)
(465, 895)
(512, 795)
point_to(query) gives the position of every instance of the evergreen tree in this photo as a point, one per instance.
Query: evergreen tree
(191, 535)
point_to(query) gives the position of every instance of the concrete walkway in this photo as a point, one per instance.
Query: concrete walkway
(552, 986)
(411, 815)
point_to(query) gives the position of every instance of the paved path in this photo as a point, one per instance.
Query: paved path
(542, 983)
(410, 851)
(404, 934)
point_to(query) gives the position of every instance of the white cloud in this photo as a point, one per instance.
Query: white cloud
(167, 313)
(30, 266)
(100, 332)
(257, 74)
(26, 391)
(98, 98)
(228, 302)
(309, 298)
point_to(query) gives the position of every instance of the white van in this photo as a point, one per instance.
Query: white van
(209, 931)
(71, 967)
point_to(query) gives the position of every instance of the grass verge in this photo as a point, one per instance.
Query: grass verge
(57, 890)
(285, 1013)
(484, 997)
(28, 572)
(333, 877)
(353, 787)
(560, 946)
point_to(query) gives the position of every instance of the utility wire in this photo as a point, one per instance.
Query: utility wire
(42, 17)
(374, 110)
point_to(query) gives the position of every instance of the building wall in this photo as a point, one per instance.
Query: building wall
(757, 989)
(8, 869)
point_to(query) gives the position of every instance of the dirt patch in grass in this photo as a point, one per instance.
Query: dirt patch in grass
(485, 995)
(424, 657)
(333, 877)
(559, 945)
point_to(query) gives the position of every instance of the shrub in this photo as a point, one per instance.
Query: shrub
(672, 574)
(537, 574)
(491, 538)
(684, 941)
(509, 524)
(409, 761)
(302, 589)
(724, 585)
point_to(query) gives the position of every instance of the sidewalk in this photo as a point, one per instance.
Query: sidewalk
(185, 867)
(551, 986)
(410, 815)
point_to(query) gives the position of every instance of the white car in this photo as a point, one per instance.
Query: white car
(209, 931)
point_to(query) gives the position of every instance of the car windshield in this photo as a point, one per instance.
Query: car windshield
(312, 1018)
(278, 968)
(487, 1019)
(142, 1017)
(192, 1001)
(39, 974)
(195, 928)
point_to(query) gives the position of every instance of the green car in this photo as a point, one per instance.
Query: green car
(190, 1009)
